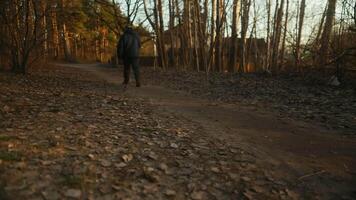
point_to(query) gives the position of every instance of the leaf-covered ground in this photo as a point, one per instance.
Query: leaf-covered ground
(64, 134)
(289, 95)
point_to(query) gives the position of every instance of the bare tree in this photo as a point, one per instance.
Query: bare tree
(218, 38)
(65, 34)
(299, 34)
(158, 27)
(277, 38)
(283, 50)
(171, 7)
(325, 37)
(132, 8)
(245, 10)
(212, 35)
(201, 36)
(268, 35)
(21, 33)
(235, 21)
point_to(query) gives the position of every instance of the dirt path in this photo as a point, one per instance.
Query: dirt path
(287, 148)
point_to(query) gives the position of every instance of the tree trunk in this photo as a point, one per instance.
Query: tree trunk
(218, 38)
(325, 37)
(277, 38)
(299, 35)
(196, 10)
(212, 36)
(284, 36)
(171, 34)
(55, 35)
(65, 36)
(245, 10)
(43, 31)
(268, 35)
(316, 44)
(161, 30)
(235, 20)
(201, 37)
(178, 41)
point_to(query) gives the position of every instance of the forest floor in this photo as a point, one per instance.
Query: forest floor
(72, 132)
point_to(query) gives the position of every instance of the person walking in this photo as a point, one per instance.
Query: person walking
(128, 49)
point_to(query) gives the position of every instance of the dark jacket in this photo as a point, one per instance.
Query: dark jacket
(129, 45)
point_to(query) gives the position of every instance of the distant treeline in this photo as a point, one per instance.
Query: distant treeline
(74, 30)
(202, 35)
(223, 35)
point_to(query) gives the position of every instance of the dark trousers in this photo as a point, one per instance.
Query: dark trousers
(134, 62)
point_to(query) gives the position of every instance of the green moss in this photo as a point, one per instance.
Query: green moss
(10, 156)
(72, 181)
(148, 130)
(7, 137)
(3, 194)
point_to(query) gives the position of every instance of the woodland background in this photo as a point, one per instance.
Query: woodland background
(266, 108)
(204, 35)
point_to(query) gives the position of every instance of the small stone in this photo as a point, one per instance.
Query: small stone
(150, 188)
(233, 176)
(149, 169)
(6, 109)
(121, 165)
(105, 189)
(293, 195)
(92, 126)
(170, 192)
(116, 187)
(163, 167)
(153, 156)
(50, 195)
(174, 145)
(215, 169)
(73, 193)
(257, 189)
(249, 194)
(197, 195)
(91, 156)
(105, 163)
(246, 179)
(46, 162)
(127, 158)
(19, 165)
(233, 150)
(149, 174)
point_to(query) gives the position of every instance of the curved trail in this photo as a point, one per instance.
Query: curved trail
(285, 147)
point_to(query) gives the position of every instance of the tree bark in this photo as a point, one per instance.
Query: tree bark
(65, 36)
(212, 35)
(196, 10)
(171, 32)
(299, 35)
(268, 41)
(235, 20)
(245, 10)
(284, 36)
(161, 31)
(218, 38)
(325, 37)
(277, 38)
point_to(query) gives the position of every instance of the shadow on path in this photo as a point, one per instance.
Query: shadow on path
(290, 148)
